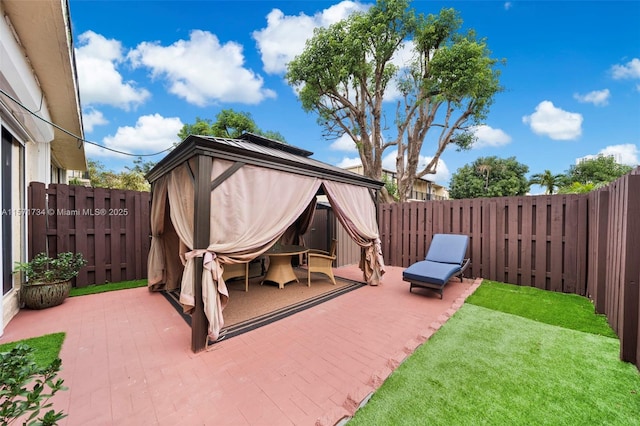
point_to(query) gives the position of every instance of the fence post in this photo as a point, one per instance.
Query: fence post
(630, 297)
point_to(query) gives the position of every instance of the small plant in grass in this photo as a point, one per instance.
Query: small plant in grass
(26, 388)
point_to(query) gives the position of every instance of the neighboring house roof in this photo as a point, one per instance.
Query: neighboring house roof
(43, 29)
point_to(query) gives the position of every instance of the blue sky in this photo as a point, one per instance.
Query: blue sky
(145, 68)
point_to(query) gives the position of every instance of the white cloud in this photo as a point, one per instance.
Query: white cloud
(151, 134)
(92, 118)
(98, 78)
(508, 5)
(554, 122)
(596, 97)
(349, 162)
(629, 70)
(344, 143)
(489, 137)
(284, 36)
(626, 154)
(220, 74)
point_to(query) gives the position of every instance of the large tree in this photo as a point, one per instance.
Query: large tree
(228, 124)
(490, 177)
(347, 70)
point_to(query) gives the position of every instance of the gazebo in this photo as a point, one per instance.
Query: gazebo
(218, 201)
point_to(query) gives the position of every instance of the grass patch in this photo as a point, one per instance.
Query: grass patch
(486, 367)
(561, 309)
(101, 288)
(46, 348)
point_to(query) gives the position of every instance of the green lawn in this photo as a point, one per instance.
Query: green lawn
(101, 288)
(489, 367)
(46, 348)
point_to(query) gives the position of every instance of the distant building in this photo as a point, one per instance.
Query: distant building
(618, 158)
(423, 189)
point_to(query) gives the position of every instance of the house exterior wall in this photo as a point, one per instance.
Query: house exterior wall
(30, 146)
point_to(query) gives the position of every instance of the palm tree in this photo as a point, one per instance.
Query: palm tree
(547, 180)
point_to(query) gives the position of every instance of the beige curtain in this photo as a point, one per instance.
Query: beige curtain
(356, 211)
(250, 210)
(156, 271)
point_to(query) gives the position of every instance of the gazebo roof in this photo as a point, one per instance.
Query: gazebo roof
(259, 151)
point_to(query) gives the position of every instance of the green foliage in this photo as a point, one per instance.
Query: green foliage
(490, 177)
(26, 388)
(346, 69)
(547, 180)
(578, 188)
(45, 269)
(229, 124)
(141, 166)
(598, 170)
(391, 186)
(131, 179)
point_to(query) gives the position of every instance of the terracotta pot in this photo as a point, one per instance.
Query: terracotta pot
(45, 295)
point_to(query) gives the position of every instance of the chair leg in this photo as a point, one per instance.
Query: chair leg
(330, 275)
(308, 277)
(246, 277)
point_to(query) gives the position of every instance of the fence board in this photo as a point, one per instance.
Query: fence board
(582, 246)
(526, 242)
(512, 241)
(541, 237)
(598, 251)
(570, 273)
(556, 244)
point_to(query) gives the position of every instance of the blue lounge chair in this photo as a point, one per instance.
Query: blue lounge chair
(445, 259)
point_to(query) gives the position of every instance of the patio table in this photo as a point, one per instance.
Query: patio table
(280, 270)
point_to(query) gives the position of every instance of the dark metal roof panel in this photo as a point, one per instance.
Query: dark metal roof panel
(251, 153)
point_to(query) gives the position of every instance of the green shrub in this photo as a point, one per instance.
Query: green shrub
(23, 388)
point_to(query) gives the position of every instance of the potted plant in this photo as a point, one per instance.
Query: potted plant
(47, 279)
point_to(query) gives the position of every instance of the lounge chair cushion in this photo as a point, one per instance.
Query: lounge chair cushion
(447, 248)
(430, 272)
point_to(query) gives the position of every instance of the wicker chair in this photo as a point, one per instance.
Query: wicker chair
(321, 261)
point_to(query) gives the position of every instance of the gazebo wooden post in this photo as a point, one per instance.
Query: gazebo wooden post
(201, 225)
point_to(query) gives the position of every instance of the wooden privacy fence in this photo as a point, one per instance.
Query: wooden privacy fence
(537, 241)
(109, 227)
(614, 260)
(587, 244)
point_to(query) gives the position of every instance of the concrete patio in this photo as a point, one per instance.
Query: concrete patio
(126, 357)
